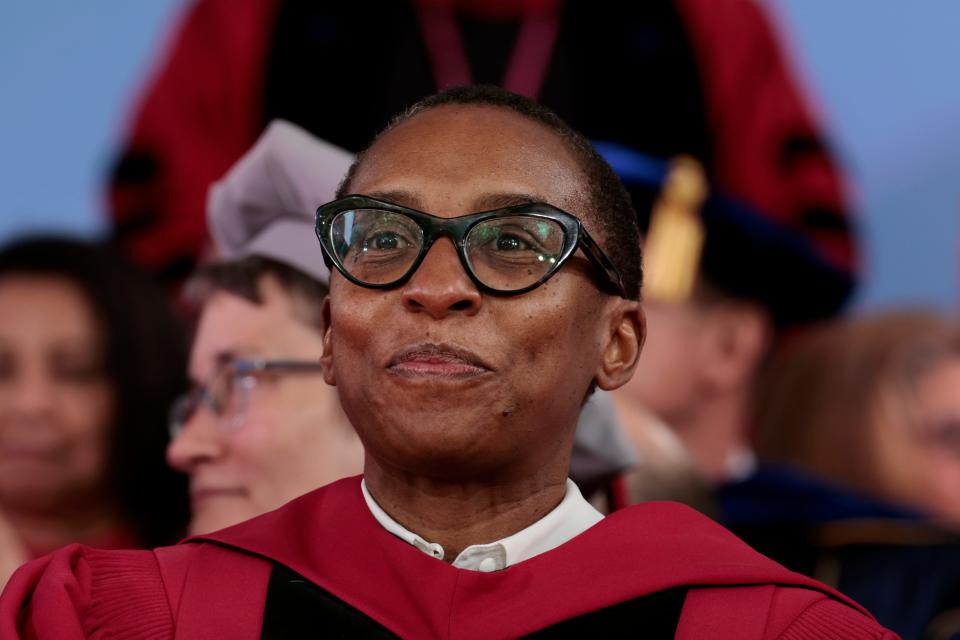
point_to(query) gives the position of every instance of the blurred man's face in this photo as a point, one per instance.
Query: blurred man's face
(667, 377)
(292, 437)
(438, 377)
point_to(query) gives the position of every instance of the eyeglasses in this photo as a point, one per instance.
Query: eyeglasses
(508, 251)
(227, 395)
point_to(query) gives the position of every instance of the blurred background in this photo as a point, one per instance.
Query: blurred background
(880, 73)
(829, 441)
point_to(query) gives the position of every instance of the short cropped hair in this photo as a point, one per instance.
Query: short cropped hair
(609, 202)
(241, 277)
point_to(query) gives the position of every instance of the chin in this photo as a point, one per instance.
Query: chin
(209, 521)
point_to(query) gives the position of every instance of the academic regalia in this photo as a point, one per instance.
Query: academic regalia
(322, 564)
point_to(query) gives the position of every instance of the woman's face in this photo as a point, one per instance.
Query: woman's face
(56, 402)
(920, 453)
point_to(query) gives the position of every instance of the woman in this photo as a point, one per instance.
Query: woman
(857, 426)
(874, 405)
(91, 356)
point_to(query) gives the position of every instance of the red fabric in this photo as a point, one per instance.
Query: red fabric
(330, 537)
(755, 105)
(79, 592)
(706, 613)
(223, 596)
(199, 114)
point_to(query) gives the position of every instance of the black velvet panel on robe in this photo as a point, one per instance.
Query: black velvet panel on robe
(297, 608)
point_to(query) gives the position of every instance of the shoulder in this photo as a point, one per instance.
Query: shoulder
(78, 590)
(798, 614)
(728, 580)
(773, 612)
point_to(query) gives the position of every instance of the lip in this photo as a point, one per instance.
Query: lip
(27, 452)
(430, 360)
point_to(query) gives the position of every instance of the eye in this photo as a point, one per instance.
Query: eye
(76, 367)
(505, 238)
(385, 241)
(511, 243)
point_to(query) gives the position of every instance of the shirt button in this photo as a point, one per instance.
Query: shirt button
(487, 565)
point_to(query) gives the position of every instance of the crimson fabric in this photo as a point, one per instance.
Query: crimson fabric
(330, 538)
(701, 77)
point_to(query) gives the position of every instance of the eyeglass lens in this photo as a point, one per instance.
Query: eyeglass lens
(222, 396)
(505, 253)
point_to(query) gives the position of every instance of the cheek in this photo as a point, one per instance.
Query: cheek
(352, 331)
(87, 417)
(75, 439)
(916, 473)
(260, 457)
(276, 451)
(665, 375)
(556, 346)
(943, 495)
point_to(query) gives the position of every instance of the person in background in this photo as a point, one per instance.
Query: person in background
(753, 279)
(463, 343)
(91, 356)
(857, 426)
(665, 469)
(261, 426)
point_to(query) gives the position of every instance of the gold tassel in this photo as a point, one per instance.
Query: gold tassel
(674, 240)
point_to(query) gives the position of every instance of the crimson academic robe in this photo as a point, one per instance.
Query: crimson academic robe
(323, 566)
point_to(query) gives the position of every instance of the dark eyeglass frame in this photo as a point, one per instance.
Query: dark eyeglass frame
(238, 370)
(574, 236)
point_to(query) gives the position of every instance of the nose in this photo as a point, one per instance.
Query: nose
(31, 393)
(198, 442)
(440, 286)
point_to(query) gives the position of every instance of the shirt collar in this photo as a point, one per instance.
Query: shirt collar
(570, 518)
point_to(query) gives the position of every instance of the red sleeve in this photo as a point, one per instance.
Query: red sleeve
(768, 147)
(769, 612)
(799, 614)
(79, 593)
(200, 112)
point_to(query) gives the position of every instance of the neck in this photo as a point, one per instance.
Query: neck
(45, 531)
(457, 514)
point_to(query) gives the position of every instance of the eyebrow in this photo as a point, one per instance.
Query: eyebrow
(484, 202)
(398, 196)
(502, 200)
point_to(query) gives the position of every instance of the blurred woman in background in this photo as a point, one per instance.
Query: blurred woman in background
(873, 404)
(857, 427)
(91, 357)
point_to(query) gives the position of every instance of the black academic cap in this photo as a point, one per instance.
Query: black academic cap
(747, 254)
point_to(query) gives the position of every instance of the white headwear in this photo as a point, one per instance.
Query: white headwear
(266, 203)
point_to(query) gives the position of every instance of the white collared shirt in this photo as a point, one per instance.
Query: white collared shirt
(570, 518)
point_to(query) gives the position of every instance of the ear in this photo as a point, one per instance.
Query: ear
(622, 344)
(738, 337)
(326, 358)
